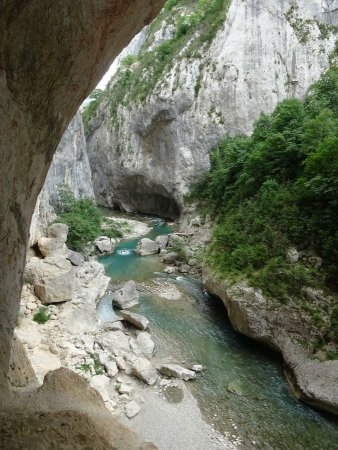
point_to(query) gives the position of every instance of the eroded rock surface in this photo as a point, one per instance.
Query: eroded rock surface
(281, 328)
(46, 71)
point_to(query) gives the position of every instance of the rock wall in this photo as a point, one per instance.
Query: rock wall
(70, 167)
(147, 157)
(283, 328)
(46, 71)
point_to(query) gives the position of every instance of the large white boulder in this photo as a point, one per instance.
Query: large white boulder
(127, 296)
(147, 247)
(52, 278)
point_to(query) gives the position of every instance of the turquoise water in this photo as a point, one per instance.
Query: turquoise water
(196, 329)
(125, 265)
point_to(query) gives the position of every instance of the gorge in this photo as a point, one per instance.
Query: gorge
(182, 92)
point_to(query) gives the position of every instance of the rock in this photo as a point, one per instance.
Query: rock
(144, 371)
(197, 368)
(176, 371)
(169, 270)
(75, 258)
(170, 258)
(163, 252)
(111, 368)
(114, 326)
(58, 231)
(125, 389)
(127, 296)
(292, 255)
(147, 247)
(193, 262)
(162, 241)
(137, 320)
(31, 306)
(145, 344)
(132, 409)
(52, 279)
(121, 363)
(53, 349)
(235, 388)
(184, 268)
(105, 245)
(101, 384)
(315, 261)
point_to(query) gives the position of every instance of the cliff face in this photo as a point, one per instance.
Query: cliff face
(70, 167)
(146, 152)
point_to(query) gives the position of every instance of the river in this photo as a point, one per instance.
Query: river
(196, 329)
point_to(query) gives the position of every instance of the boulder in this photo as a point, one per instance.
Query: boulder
(52, 279)
(127, 296)
(162, 241)
(132, 409)
(176, 371)
(58, 231)
(137, 320)
(55, 243)
(111, 368)
(76, 258)
(170, 258)
(145, 344)
(169, 270)
(101, 384)
(147, 247)
(144, 371)
(125, 389)
(105, 245)
(184, 268)
(292, 255)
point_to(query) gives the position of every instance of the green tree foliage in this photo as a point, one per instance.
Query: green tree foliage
(275, 189)
(84, 220)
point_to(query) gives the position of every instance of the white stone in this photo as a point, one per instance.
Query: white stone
(132, 409)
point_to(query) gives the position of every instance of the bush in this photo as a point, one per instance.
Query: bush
(275, 189)
(42, 316)
(84, 220)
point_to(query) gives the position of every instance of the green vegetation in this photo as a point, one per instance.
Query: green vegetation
(303, 27)
(90, 110)
(277, 189)
(84, 219)
(138, 75)
(42, 316)
(98, 368)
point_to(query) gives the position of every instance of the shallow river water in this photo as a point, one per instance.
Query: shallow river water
(195, 329)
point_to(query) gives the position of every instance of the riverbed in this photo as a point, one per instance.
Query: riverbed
(243, 391)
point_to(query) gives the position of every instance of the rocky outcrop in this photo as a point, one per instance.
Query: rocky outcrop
(282, 328)
(265, 51)
(46, 71)
(69, 170)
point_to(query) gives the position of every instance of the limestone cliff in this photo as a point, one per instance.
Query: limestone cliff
(70, 167)
(151, 135)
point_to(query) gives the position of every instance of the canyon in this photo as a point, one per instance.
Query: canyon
(145, 145)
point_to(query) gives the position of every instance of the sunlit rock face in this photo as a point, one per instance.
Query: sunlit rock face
(265, 51)
(69, 170)
(52, 54)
